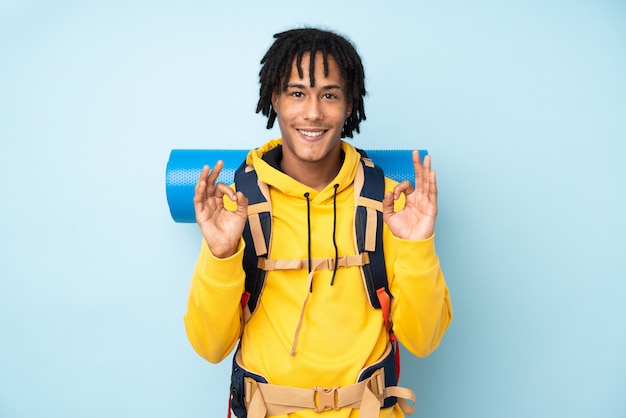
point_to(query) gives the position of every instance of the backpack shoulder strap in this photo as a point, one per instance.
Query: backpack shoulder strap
(369, 191)
(257, 233)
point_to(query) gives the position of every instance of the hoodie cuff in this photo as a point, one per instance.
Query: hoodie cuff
(416, 257)
(223, 272)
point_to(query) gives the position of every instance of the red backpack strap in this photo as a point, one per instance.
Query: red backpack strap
(385, 305)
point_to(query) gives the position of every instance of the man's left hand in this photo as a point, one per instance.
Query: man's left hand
(417, 220)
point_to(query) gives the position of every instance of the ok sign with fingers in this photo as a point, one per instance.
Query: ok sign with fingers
(222, 229)
(417, 220)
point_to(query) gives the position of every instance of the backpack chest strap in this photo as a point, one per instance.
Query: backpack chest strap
(319, 263)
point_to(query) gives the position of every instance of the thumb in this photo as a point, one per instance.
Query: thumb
(388, 205)
(242, 205)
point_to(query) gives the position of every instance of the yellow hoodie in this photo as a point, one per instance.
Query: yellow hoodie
(341, 333)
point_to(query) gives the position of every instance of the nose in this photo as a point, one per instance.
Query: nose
(312, 109)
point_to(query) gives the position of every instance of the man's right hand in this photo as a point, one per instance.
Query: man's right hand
(222, 229)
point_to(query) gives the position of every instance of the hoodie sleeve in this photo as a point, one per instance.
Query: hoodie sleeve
(213, 318)
(421, 309)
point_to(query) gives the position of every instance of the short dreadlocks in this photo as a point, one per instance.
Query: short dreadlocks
(293, 44)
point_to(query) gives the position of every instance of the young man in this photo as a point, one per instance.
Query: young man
(315, 327)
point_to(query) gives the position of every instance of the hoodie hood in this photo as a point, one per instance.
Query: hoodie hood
(278, 179)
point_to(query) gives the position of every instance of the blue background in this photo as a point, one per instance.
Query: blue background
(522, 105)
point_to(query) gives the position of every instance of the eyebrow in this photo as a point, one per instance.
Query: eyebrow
(302, 86)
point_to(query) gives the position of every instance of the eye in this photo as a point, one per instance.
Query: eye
(329, 96)
(297, 94)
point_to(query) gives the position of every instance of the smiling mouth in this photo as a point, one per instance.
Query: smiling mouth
(311, 134)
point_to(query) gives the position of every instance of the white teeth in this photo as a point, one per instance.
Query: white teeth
(311, 133)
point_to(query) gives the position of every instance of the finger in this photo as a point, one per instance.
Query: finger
(200, 189)
(388, 205)
(417, 157)
(427, 161)
(405, 187)
(242, 205)
(203, 175)
(422, 172)
(211, 178)
(426, 175)
(222, 189)
(432, 195)
(417, 168)
(213, 175)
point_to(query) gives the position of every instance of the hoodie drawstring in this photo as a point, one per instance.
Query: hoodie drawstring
(332, 280)
(308, 233)
(312, 269)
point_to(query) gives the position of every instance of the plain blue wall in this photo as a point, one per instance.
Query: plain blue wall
(522, 105)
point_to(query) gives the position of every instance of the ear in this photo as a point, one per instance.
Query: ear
(275, 100)
(349, 110)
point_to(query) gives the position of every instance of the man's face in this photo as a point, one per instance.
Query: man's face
(311, 118)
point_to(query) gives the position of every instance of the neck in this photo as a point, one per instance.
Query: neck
(314, 174)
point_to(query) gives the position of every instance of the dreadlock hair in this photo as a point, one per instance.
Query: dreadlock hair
(293, 44)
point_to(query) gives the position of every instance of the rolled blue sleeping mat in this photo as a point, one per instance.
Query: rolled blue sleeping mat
(184, 167)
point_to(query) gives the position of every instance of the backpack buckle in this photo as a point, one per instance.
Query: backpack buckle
(250, 388)
(376, 384)
(325, 399)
